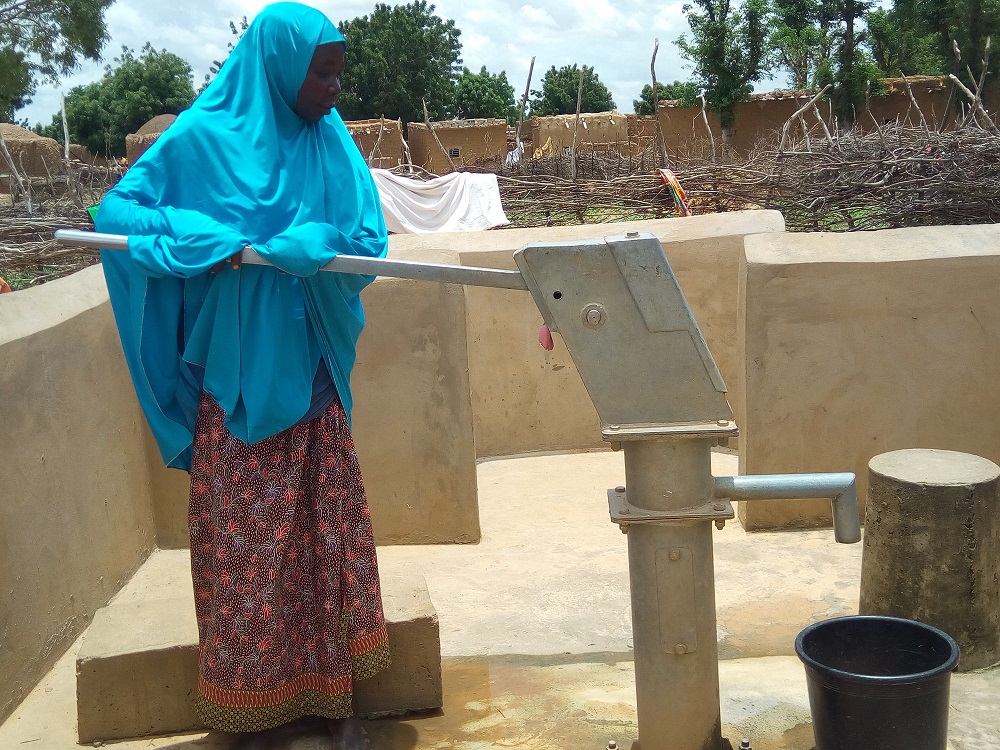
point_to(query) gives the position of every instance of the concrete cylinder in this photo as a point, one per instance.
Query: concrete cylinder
(932, 546)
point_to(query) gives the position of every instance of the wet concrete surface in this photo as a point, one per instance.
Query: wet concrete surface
(536, 634)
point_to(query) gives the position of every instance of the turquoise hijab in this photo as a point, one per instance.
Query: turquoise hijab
(241, 168)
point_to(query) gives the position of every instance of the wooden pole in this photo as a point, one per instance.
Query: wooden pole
(524, 102)
(798, 113)
(70, 177)
(576, 125)
(15, 175)
(406, 147)
(656, 106)
(704, 117)
(427, 122)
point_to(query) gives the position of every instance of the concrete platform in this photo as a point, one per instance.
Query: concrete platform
(137, 664)
(535, 630)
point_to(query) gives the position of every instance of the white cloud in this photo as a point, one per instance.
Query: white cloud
(613, 36)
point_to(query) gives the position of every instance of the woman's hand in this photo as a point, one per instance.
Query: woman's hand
(234, 260)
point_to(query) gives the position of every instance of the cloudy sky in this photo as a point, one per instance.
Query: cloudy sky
(614, 36)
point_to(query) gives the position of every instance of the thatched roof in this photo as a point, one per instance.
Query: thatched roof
(157, 125)
(12, 132)
(137, 143)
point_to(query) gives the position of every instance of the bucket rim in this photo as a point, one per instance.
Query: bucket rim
(948, 666)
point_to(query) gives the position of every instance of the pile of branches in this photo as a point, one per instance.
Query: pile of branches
(888, 177)
(38, 206)
(892, 176)
(28, 254)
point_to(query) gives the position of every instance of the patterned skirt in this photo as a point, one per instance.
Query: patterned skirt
(285, 576)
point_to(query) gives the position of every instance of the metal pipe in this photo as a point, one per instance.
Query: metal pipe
(400, 269)
(672, 581)
(839, 487)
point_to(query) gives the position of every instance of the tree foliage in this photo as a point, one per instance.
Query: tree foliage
(559, 89)
(16, 84)
(137, 89)
(803, 37)
(968, 23)
(900, 41)
(729, 52)
(685, 93)
(483, 94)
(45, 39)
(397, 57)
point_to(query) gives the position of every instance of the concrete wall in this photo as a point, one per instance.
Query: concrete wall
(412, 422)
(75, 521)
(857, 344)
(850, 345)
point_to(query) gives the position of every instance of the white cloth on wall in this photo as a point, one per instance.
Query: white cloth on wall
(456, 202)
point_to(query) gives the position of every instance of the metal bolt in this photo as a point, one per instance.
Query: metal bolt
(613, 427)
(593, 317)
(631, 234)
(720, 523)
(624, 528)
(624, 511)
(723, 423)
(681, 648)
(719, 507)
(612, 745)
(620, 488)
(675, 555)
(745, 744)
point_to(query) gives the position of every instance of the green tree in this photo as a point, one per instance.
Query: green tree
(559, 90)
(900, 42)
(137, 89)
(686, 93)
(967, 23)
(43, 40)
(483, 94)
(803, 37)
(729, 52)
(16, 85)
(853, 69)
(397, 57)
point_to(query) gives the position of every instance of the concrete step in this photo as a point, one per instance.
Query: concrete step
(137, 668)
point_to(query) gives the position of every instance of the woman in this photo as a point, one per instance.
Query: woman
(243, 372)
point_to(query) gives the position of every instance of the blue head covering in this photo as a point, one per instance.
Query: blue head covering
(240, 168)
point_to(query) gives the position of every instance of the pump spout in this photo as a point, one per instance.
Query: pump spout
(839, 487)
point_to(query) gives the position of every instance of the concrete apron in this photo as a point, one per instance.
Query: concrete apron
(536, 638)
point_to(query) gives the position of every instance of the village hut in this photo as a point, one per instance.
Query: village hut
(379, 141)
(137, 143)
(33, 155)
(596, 131)
(468, 143)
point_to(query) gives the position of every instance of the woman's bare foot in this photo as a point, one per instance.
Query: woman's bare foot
(348, 734)
(251, 741)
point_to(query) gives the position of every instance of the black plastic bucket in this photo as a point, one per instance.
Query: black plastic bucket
(878, 683)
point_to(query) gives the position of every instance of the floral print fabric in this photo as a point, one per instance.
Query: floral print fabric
(285, 575)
